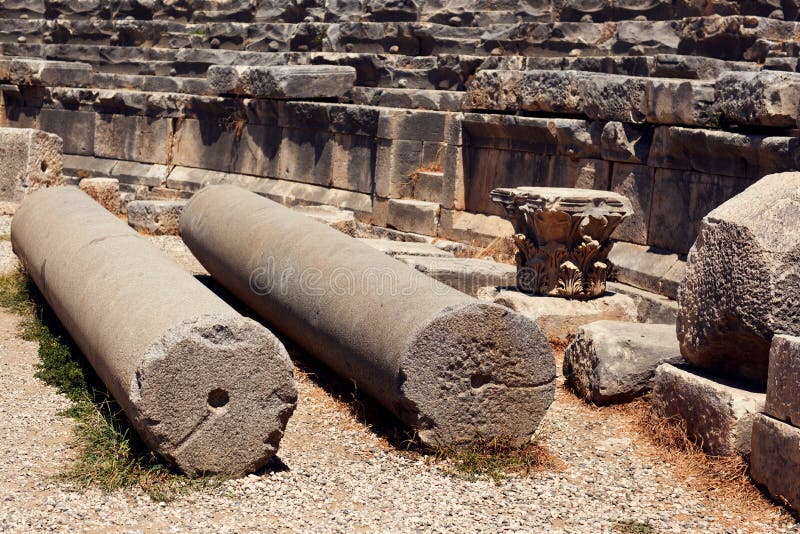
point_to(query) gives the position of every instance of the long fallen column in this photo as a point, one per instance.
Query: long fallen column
(203, 386)
(452, 367)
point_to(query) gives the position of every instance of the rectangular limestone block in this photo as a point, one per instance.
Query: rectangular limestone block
(353, 162)
(414, 216)
(684, 198)
(775, 459)
(406, 248)
(29, 160)
(305, 156)
(286, 82)
(226, 146)
(133, 138)
(579, 173)
(76, 128)
(395, 165)
(718, 413)
(20, 71)
(413, 125)
(783, 382)
(765, 98)
(473, 228)
(456, 163)
(428, 186)
(468, 275)
(746, 155)
(636, 183)
(490, 169)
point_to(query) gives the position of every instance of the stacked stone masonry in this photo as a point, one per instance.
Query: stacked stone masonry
(675, 108)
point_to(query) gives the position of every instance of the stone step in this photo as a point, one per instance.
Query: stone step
(465, 274)
(730, 37)
(717, 413)
(759, 99)
(415, 216)
(464, 14)
(407, 248)
(408, 98)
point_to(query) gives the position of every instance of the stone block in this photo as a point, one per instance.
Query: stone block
(29, 160)
(468, 275)
(341, 220)
(741, 282)
(766, 98)
(133, 138)
(578, 173)
(734, 154)
(395, 165)
(689, 102)
(428, 186)
(490, 169)
(644, 267)
(412, 125)
(560, 318)
(215, 144)
(287, 82)
(684, 198)
(473, 228)
(406, 248)
(718, 414)
(135, 173)
(612, 362)
(775, 459)
(87, 166)
(455, 168)
(783, 382)
(353, 163)
(414, 216)
(105, 191)
(155, 217)
(22, 71)
(650, 307)
(636, 183)
(625, 142)
(76, 128)
(306, 156)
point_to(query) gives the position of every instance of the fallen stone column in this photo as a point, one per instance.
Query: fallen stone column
(203, 386)
(452, 367)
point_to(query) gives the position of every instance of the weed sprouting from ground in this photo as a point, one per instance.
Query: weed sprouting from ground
(633, 526)
(110, 455)
(496, 458)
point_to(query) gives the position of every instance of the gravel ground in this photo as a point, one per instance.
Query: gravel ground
(340, 475)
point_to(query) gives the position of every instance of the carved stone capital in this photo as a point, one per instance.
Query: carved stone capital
(562, 237)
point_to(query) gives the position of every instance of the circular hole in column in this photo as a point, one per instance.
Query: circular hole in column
(217, 398)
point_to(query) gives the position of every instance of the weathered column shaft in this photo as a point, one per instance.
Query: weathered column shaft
(205, 387)
(449, 365)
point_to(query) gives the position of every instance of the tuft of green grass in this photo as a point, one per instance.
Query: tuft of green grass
(496, 459)
(111, 455)
(633, 526)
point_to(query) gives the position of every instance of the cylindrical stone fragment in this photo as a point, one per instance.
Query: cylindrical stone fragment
(452, 367)
(203, 386)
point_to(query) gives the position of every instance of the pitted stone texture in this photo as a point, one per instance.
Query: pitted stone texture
(742, 282)
(560, 319)
(105, 191)
(775, 459)
(433, 342)
(611, 362)
(288, 82)
(19, 71)
(783, 384)
(29, 160)
(718, 414)
(203, 386)
(155, 217)
(760, 98)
